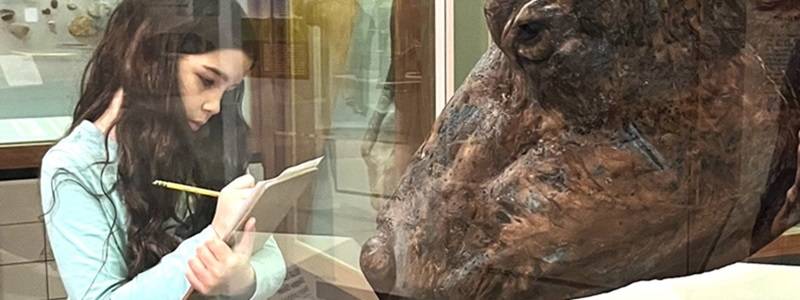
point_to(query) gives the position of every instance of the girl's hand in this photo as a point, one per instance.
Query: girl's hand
(219, 270)
(231, 204)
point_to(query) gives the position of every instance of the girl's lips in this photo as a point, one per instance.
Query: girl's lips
(194, 125)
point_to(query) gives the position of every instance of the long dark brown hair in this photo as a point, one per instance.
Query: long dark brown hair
(139, 53)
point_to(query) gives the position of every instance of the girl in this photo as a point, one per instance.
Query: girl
(149, 109)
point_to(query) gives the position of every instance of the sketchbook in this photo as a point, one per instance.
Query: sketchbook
(273, 198)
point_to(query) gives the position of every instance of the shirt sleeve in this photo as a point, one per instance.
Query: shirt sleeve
(270, 269)
(89, 254)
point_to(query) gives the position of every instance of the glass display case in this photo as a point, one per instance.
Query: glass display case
(341, 79)
(594, 145)
(41, 64)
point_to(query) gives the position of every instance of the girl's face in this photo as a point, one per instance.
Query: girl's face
(204, 78)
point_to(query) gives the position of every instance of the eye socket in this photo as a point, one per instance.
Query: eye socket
(534, 41)
(531, 31)
(207, 83)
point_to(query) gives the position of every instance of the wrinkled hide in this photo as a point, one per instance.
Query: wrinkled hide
(597, 143)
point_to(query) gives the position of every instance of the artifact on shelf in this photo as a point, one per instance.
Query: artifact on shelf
(72, 6)
(7, 14)
(54, 4)
(82, 26)
(598, 143)
(51, 25)
(19, 30)
(46, 11)
(99, 9)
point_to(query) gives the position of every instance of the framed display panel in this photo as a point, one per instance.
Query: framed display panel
(42, 52)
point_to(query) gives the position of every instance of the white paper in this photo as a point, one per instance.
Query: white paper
(31, 14)
(20, 70)
(273, 198)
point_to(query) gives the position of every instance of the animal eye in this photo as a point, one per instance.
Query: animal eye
(535, 41)
(531, 31)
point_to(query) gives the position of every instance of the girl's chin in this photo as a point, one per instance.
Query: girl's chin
(195, 126)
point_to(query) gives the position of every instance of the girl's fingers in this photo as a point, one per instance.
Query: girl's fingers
(201, 273)
(245, 245)
(220, 250)
(209, 260)
(196, 283)
(247, 193)
(244, 181)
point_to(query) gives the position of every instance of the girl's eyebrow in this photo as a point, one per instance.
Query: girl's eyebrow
(218, 72)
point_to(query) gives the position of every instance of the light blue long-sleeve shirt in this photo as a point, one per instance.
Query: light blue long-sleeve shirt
(90, 256)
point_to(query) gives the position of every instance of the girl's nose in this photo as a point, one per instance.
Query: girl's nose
(211, 106)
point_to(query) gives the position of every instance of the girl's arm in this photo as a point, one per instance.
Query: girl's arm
(270, 269)
(90, 257)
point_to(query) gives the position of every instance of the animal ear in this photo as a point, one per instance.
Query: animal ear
(498, 14)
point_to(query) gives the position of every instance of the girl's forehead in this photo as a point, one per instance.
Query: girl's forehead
(232, 62)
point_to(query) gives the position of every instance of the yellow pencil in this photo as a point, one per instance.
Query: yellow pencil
(186, 188)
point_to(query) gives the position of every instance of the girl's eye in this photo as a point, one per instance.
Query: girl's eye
(207, 83)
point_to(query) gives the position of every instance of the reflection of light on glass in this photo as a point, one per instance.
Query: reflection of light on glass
(316, 58)
(793, 231)
(247, 102)
(261, 9)
(281, 9)
(33, 130)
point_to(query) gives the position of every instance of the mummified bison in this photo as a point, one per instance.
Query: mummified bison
(597, 143)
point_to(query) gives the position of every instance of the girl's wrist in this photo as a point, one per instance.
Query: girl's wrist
(217, 231)
(248, 289)
(220, 230)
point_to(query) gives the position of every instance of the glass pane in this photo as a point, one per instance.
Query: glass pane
(42, 56)
(352, 81)
(330, 81)
(604, 149)
(348, 80)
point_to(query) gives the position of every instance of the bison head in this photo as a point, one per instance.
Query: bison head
(598, 142)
